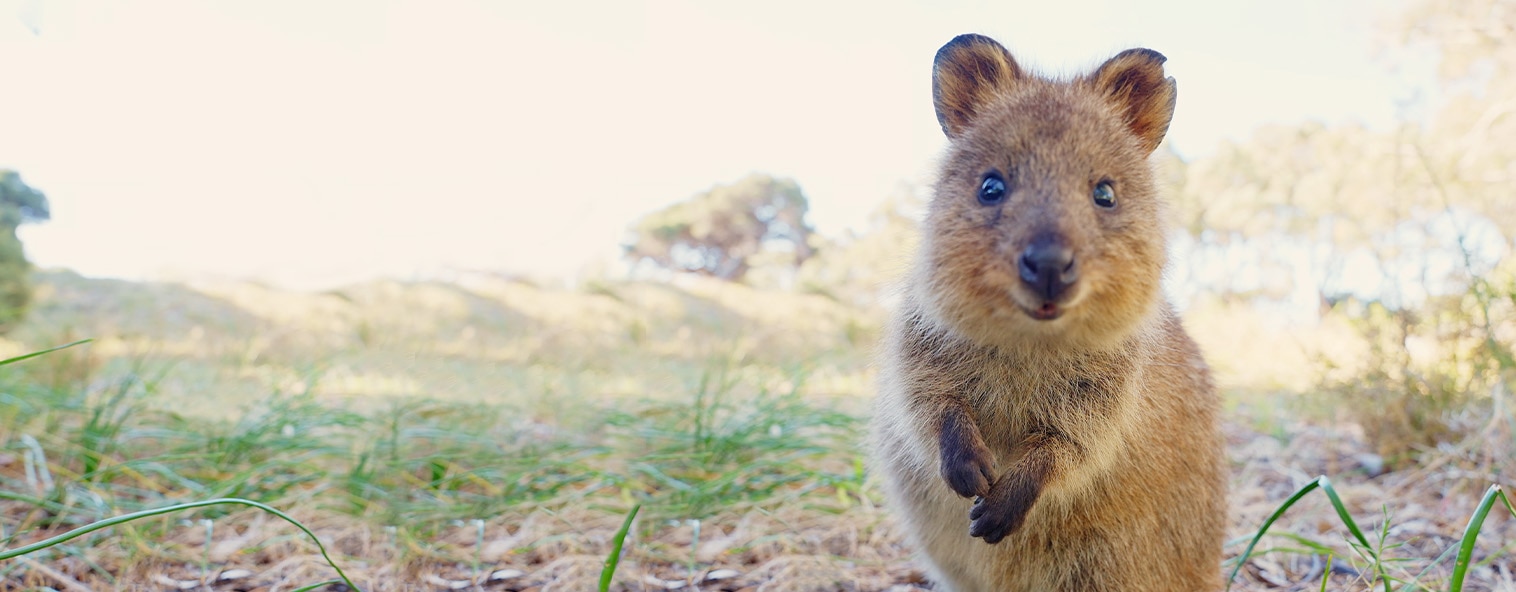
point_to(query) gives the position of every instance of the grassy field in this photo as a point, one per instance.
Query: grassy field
(488, 433)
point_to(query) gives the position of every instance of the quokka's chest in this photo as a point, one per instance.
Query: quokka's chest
(1011, 400)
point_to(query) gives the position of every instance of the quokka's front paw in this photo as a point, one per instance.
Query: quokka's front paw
(967, 465)
(997, 515)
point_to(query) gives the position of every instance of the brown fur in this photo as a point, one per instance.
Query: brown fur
(1089, 440)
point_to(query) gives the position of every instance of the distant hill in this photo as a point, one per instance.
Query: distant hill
(481, 338)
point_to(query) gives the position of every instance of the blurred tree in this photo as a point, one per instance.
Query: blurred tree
(1423, 205)
(1470, 151)
(19, 204)
(865, 266)
(1405, 235)
(1464, 164)
(719, 231)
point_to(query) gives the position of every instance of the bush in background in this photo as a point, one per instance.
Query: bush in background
(19, 204)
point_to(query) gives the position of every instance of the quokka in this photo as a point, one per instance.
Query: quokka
(1044, 422)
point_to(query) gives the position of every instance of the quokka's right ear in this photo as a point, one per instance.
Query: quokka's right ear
(968, 72)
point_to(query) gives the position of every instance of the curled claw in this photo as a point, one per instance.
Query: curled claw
(969, 477)
(1002, 512)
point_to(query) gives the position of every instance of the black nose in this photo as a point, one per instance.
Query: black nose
(1048, 267)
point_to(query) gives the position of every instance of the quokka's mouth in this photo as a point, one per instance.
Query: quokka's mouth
(1047, 312)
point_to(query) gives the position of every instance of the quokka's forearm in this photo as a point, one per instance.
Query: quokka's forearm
(1041, 458)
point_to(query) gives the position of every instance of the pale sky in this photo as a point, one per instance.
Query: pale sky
(311, 143)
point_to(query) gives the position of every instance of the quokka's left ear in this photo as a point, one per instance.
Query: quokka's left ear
(1134, 82)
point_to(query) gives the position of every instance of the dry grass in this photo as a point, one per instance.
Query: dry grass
(812, 544)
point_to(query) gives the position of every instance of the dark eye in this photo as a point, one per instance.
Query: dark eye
(1105, 195)
(992, 190)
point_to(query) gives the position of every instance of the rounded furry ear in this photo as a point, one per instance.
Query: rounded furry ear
(1134, 82)
(967, 73)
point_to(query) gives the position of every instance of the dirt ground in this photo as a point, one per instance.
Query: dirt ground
(806, 548)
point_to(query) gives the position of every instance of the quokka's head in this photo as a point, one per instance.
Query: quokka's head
(1045, 226)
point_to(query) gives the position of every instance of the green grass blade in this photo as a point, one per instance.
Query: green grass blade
(1310, 545)
(43, 352)
(109, 522)
(1326, 574)
(317, 586)
(45, 504)
(1243, 558)
(1347, 520)
(1471, 533)
(1416, 579)
(1342, 512)
(614, 559)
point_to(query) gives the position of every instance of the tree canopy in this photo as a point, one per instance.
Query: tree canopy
(20, 203)
(718, 232)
